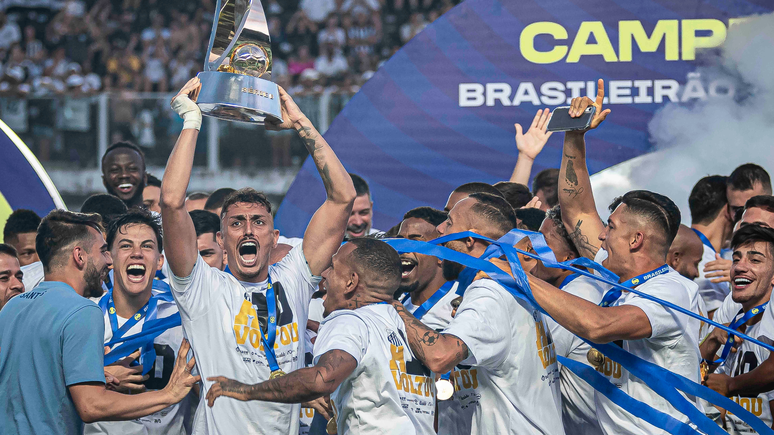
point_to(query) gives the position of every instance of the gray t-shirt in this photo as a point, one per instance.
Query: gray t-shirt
(50, 338)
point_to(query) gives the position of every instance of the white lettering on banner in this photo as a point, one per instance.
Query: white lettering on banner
(553, 93)
(592, 39)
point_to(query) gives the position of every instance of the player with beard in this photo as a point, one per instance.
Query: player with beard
(11, 282)
(359, 222)
(265, 305)
(428, 296)
(752, 278)
(134, 241)
(51, 365)
(504, 339)
(123, 172)
(634, 246)
(361, 356)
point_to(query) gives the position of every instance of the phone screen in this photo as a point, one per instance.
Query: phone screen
(561, 120)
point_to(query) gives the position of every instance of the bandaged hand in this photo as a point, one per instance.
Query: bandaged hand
(184, 104)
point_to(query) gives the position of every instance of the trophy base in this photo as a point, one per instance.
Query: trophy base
(237, 97)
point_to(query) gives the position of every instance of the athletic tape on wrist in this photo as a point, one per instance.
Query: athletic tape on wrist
(189, 111)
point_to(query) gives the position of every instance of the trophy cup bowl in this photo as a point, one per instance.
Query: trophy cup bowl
(235, 80)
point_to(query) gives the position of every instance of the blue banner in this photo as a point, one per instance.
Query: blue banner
(23, 181)
(441, 111)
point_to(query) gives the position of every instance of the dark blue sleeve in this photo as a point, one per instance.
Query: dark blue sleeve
(83, 338)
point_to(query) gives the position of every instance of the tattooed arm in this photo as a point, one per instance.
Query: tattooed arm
(296, 387)
(326, 228)
(579, 212)
(439, 352)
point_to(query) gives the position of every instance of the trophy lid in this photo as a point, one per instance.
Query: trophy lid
(236, 23)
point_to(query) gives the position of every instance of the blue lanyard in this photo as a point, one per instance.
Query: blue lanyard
(437, 296)
(270, 338)
(613, 294)
(570, 278)
(148, 311)
(735, 325)
(704, 239)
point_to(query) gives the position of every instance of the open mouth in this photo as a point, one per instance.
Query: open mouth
(407, 267)
(125, 188)
(357, 231)
(741, 283)
(248, 252)
(135, 273)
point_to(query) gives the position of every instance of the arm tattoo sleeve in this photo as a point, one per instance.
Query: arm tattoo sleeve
(301, 385)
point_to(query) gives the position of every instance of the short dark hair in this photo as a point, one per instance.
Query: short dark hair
(745, 176)
(548, 181)
(765, 202)
(707, 199)
(217, 197)
(247, 195)
(205, 222)
(478, 187)
(389, 234)
(105, 205)
(59, 229)
(753, 233)
(153, 181)
(19, 222)
(654, 207)
(361, 186)
(428, 214)
(8, 250)
(555, 214)
(377, 262)
(517, 194)
(496, 211)
(126, 145)
(531, 218)
(198, 195)
(138, 216)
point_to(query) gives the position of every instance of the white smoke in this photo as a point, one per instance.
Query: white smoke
(707, 136)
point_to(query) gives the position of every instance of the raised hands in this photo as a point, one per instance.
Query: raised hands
(181, 381)
(579, 104)
(531, 143)
(291, 114)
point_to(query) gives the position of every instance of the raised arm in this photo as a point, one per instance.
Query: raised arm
(296, 387)
(326, 229)
(179, 232)
(438, 352)
(529, 145)
(579, 212)
(95, 403)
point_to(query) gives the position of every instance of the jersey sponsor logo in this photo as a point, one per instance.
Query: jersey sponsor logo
(752, 404)
(545, 344)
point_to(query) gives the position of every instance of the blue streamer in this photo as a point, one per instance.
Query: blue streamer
(650, 373)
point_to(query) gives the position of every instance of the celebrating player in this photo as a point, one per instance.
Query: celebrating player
(361, 356)
(248, 323)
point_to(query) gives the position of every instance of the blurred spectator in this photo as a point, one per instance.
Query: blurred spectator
(332, 33)
(302, 62)
(10, 33)
(414, 26)
(317, 10)
(364, 33)
(331, 62)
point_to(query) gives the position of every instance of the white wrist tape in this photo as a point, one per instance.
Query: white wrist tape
(189, 111)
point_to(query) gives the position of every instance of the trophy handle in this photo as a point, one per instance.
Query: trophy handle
(236, 21)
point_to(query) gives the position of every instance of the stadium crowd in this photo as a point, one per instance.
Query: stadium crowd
(78, 47)
(159, 310)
